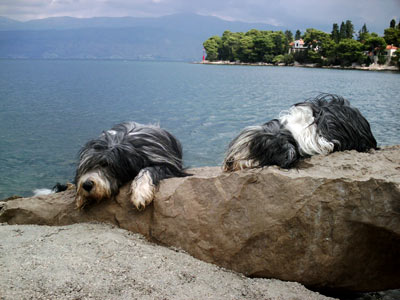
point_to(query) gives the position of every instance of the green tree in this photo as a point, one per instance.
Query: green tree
(289, 36)
(392, 36)
(225, 51)
(254, 35)
(230, 45)
(318, 41)
(288, 59)
(375, 45)
(263, 46)
(396, 58)
(301, 56)
(212, 47)
(279, 42)
(335, 33)
(314, 37)
(393, 23)
(314, 57)
(329, 52)
(278, 59)
(297, 35)
(349, 29)
(363, 34)
(342, 31)
(349, 51)
(246, 48)
(288, 40)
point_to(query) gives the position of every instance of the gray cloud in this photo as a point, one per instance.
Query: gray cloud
(293, 14)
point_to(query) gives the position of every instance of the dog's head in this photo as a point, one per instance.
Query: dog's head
(93, 186)
(96, 176)
(259, 146)
(274, 145)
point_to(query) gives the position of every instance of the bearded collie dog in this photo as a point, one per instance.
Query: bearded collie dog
(322, 125)
(143, 154)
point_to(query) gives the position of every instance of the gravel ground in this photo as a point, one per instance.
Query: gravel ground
(98, 261)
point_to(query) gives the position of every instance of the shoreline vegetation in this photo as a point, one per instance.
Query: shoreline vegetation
(372, 67)
(343, 48)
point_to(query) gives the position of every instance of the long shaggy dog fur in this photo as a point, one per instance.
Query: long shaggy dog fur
(145, 154)
(323, 125)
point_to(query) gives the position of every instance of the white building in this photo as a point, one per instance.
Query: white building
(390, 50)
(297, 46)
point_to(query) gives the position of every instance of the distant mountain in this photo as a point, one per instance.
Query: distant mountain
(173, 37)
(6, 23)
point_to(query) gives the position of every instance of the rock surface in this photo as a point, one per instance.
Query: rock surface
(334, 222)
(98, 261)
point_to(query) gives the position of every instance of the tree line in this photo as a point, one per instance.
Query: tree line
(340, 47)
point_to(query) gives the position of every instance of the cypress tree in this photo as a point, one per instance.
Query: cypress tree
(364, 29)
(349, 29)
(362, 34)
(342, 32)
(393, 23)
(289, 36)
(289, 39)
(297, 35)
(335, 33)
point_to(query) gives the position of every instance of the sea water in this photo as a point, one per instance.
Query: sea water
(50, 108)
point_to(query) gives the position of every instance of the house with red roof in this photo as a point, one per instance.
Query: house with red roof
(297, 46)
(390, 50)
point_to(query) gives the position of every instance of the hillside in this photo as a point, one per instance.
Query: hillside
(174, 37)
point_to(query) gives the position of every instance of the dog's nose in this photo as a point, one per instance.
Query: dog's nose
(88, 185)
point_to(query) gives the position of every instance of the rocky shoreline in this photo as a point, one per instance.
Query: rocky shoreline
(332, 223)
(372, 67)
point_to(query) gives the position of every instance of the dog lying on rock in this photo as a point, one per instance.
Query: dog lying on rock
(145, 154)
(322, 125)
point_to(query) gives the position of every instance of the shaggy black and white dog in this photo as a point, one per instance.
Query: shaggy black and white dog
(145, 154)
(323, 125)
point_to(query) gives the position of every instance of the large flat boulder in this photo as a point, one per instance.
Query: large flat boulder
(333, 222)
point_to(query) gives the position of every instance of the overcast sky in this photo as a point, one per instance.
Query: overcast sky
(291, 14)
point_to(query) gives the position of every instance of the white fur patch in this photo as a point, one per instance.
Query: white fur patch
(42, 192)
(142, 190)
(299, 121)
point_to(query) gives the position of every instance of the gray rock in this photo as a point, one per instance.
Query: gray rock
(98, 261)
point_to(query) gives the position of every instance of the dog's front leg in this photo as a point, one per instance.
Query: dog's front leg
(144, 186)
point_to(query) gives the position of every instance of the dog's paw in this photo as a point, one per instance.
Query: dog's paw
(241, 164)
(80, 202)
(142, 190)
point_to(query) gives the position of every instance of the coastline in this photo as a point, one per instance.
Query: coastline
(372, 67)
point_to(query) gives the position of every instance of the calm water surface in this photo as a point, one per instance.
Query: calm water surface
(49, 109)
